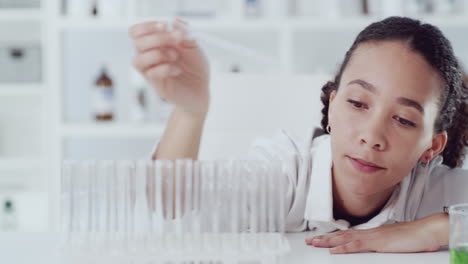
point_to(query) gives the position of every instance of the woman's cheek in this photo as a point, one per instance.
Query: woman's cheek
(345, 128)
(345, 120)
(350, 118)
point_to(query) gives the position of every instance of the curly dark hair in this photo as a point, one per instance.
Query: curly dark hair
(436, 49)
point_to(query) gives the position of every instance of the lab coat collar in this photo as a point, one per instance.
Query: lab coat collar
(319, 205)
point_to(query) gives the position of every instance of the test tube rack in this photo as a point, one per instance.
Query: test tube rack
(173, 212)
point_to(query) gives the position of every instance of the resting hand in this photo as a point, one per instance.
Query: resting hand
(423, 235)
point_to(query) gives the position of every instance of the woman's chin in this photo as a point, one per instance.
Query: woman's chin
(362, 184)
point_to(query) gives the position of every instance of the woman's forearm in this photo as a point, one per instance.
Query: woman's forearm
(438, 224)
(181, 139)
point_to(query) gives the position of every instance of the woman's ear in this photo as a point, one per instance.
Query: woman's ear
(439, 142)
(330, 105)
(332, 96)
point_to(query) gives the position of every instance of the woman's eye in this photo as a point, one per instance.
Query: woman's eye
(405, 122)
(357, 104)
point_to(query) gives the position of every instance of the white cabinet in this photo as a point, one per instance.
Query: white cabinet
(23, 116)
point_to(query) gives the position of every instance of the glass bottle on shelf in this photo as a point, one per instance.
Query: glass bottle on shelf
(95, 9)
(235, 68)
(252, 8)
(139, 104)
(292, 8)
(365, 7)
(429, 6)
(9, 219)
(103, 97)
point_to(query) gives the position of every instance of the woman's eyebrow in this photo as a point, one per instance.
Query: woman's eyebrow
(411, 103)
(371, 88)
(401, 100)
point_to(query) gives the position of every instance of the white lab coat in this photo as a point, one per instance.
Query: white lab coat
(425, 191)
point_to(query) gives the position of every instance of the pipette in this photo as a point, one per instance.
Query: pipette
(226, 45)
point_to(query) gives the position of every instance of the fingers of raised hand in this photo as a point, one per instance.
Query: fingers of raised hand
(146, 28)
(146, 60)
(163, 71)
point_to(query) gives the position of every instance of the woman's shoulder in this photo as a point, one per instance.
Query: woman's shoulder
(283, 144)
(451, 183)
(441, 172)
(276, 146)
(434, 186)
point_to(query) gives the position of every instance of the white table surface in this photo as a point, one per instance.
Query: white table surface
(40, 248)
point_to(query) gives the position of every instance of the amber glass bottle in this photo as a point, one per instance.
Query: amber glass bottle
(103, 97)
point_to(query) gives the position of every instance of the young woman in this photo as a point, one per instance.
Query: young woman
(395, 120)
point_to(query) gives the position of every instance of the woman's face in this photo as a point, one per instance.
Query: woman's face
(382, 116)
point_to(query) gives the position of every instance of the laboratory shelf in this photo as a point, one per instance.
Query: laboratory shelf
(14, 89)
(291, 23)
(446, 21)
(20, 163)
(111, 129)
(20, 14)
(92, 24)
(22, 174)
(201, 24)
(360, 22)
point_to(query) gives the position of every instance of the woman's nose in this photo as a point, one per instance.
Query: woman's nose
(375, 145)
(373, 136)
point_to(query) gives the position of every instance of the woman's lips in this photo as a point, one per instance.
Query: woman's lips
(364, 166)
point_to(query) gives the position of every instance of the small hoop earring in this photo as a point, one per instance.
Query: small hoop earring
(328, 129)
(425, 161)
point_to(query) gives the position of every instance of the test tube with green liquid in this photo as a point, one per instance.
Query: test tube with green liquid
(458, 234)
